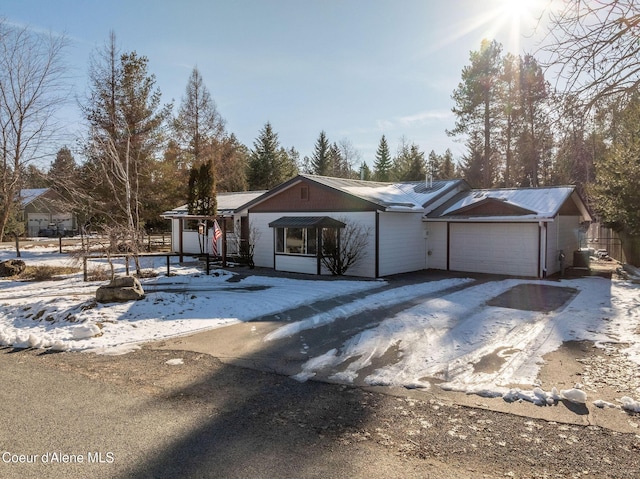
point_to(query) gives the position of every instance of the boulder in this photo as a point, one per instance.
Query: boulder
(126, 288)
(11, 267)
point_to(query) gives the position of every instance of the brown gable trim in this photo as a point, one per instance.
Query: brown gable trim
(491, 207)
(569, 208)
(302, 194)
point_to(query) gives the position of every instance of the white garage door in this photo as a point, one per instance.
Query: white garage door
(36, 222)
(497, 248)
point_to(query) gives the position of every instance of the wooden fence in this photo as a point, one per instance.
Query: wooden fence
(605, 239)
(129, 257)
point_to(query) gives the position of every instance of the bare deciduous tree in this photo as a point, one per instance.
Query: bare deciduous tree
(31, 90)
(125, 133)
(345, 247)
(595, 45)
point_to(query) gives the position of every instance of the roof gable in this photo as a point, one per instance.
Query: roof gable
(521, 203)
(304, 194)
(29, 195)
(341, 194)
(492, 207)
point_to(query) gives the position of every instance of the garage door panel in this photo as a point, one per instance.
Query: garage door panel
(495, 248)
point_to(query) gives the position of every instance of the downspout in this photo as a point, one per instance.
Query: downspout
(448, 244)
(224, 242)
(377, 249)
(180, 239)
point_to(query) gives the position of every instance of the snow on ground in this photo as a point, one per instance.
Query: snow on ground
(64, 315)
(448, 338)
(455, 339)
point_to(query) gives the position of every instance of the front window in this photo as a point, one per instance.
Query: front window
(329, 241)
(301, 241)
(190, 224)
(294, 241)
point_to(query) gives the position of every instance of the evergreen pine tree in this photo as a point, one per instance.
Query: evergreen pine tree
(264, 159)
(321, 158)
(416, 171)
(447, 167)
(382, 165)
(62, 170)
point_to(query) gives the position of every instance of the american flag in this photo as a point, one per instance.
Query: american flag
(217, 234)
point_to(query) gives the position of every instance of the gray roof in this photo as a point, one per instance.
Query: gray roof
(533, 203)
(306, 222)
(227, 203)
(29, 195)
(407, 196)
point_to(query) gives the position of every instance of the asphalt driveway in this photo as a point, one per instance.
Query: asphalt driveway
(244, 345)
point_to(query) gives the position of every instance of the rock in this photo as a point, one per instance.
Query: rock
(11, 267)
(126, 288)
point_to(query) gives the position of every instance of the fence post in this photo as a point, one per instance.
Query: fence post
(207, 260)
(168, 272)
(84, 268)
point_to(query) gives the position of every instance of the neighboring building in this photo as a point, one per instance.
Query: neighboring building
(186, 231)
(411, 226)
(46, 214)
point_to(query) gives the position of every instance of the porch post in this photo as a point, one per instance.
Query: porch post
(180, 239)
(224, 242)
(319, 250)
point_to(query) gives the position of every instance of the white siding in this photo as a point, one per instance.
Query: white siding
(402, 245)
(497, 248)
(367, 219)
(190, 243)
(264, 250)
(565, 237)
(437, 245)
(297, 264)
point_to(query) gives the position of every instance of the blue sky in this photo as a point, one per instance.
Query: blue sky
(356, 69)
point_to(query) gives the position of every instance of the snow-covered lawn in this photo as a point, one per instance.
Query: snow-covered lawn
(446, 338)
(63, 314)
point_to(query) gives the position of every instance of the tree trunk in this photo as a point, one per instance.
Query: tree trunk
(18, 255)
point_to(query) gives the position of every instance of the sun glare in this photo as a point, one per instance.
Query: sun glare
(517, 18)
(516, 10)
(514, 23)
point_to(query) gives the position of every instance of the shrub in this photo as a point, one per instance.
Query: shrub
(46, 273)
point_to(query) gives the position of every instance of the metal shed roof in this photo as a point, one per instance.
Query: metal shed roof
(227, 203)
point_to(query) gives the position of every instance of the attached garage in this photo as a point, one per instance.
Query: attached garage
(495, 248)
(515, 232)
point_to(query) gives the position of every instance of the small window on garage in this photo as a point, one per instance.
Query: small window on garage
(304, 193)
